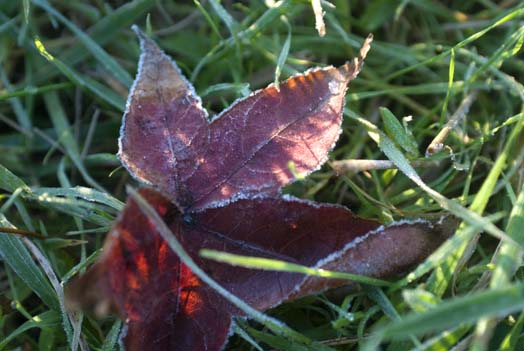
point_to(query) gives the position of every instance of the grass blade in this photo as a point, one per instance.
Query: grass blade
(283, 266)
(15, 254)
(107, 61)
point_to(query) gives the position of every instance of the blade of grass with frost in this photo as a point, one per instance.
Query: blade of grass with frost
(282, 57)
(241, 89)
(423, 89)
(230, 23)
(512, 339)
(508, 80)
(440, 279)
(10, 182)
(23, 31)
(208, 18)
(71, 322)
(111, 66)
(437, 144)
(21, 115)
(65, 136)
(507, 259)
(97, 89)
(101, 32)
(7, 22)
(244, 335)
(280, 8)
(444, 340)
(111, 339)
(82, 208)
(378, 296)
(438, 282)
(277, 342)
(262, 44)
(396, 131)
(420, 300)
(283, 266)
(47, 319)
(454, 312)
(26, 217)
(392, 51)
(505, 50)
(391, 151)
(451, 76)
(91, 212)
(509, 16)
(15, 254)
(400, 8)
(66, 183)
(81, 192)
(509, 121)
(34, 90)
(81, 266)
(173, 243)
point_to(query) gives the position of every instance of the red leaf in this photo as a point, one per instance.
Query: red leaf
(168, 308)
(138, 276)
(221, 181)
(246, 150)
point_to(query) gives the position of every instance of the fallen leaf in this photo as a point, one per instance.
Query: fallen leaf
(218, 187)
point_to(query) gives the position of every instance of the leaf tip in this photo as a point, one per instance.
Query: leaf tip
(366, 46)
(146, 43)
(138, 31)
(352, 68)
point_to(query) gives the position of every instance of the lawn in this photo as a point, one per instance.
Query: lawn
(438, 103)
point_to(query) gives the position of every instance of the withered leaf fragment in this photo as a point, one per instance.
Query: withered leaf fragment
(218, 187)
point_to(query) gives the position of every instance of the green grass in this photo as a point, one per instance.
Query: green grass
(66, 67)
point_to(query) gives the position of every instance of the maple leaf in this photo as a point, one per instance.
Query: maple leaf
(219, 187)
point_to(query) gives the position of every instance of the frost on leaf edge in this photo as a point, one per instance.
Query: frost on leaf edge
(142, 37)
